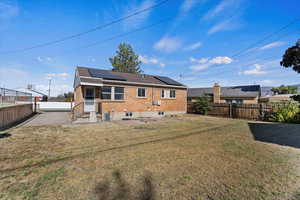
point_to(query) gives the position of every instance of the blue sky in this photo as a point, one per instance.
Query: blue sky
(195, 45)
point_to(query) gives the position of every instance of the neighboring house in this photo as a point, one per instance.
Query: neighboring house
(248, 94)
(276, 98)
(117, 95)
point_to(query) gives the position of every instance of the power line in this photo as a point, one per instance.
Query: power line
(266, 37)
(88, 31)
(273, 41)
(115, 37)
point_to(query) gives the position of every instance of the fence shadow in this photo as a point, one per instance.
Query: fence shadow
(276, 133)
(118, 188)
(4, 135)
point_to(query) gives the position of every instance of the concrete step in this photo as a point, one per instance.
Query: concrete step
(93, 117)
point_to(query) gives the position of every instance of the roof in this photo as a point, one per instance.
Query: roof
(144, 79)
(32, 92)
(232, 91)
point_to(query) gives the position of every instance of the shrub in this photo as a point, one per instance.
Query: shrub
(202, 105)
(289, 113)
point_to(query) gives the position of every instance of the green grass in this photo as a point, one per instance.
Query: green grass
(187, 157)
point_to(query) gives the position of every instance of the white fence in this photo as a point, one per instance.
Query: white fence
(54, 106)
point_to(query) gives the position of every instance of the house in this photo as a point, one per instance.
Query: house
(248, 94)
(279, 98)
(118, 95)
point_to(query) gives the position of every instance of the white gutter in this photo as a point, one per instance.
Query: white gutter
(91, 84)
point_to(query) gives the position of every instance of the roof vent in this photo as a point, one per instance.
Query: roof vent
(143, 75)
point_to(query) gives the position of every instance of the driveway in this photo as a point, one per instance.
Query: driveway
(49, 119)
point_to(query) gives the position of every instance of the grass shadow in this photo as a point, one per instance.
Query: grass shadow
(276, 133)
(117, 188)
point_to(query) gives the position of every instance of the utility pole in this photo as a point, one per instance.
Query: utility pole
(49, 88)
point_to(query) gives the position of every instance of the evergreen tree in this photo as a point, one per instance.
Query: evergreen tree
(126, 60)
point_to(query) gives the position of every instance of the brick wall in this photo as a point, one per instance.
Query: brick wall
(132, 103)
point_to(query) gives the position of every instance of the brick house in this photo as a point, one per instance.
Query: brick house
(117, 95)
(247, 94)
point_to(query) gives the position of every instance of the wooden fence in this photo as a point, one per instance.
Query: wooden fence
(240, 111)
(10, 115)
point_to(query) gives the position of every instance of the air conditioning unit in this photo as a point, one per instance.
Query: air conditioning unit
(157, 103)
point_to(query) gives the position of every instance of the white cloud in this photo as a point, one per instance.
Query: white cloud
(257, 70)
(187, 5)
(204, 63)
(193, 46)
(224, 5)
(137, 20)
(224, 25)
(62, 76)
(8, 10)
(44, 59)
(149, 60)
(200, 61)
(162, 64)
(168, 44)
(271, 45)
(221, 60)
(12, 77)
(267, 82)
(56, 89)
(199, 67)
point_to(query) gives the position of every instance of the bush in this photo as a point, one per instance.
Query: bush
(289, 113)
(202, 105)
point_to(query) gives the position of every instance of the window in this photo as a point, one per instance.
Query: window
(119, 93)
(168, 94)
(234, 101)
(89, 93)
(106, 92)
(112, 93)
(141, 92)
(173, 94)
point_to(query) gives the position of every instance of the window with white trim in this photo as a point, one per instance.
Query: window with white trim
(119, 93)
(106, 92)
(168, 94)
(141, 92)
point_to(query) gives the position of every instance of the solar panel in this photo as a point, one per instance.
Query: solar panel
(168, 80)
(98, 73)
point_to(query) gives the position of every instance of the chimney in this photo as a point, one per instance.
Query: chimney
(217, 93)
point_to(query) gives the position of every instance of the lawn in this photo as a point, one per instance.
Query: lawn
(184, 157)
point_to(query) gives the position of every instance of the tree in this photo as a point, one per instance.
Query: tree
(126, 60)
(285, 90)
(203, 104)
(291, 58)
(296, 98)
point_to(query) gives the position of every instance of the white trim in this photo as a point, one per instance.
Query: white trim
(137, 93)
(90, 77)
(91, 84)
(169, 92)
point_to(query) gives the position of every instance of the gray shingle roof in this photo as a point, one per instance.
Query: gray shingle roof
(233, 91)
(129, 77)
